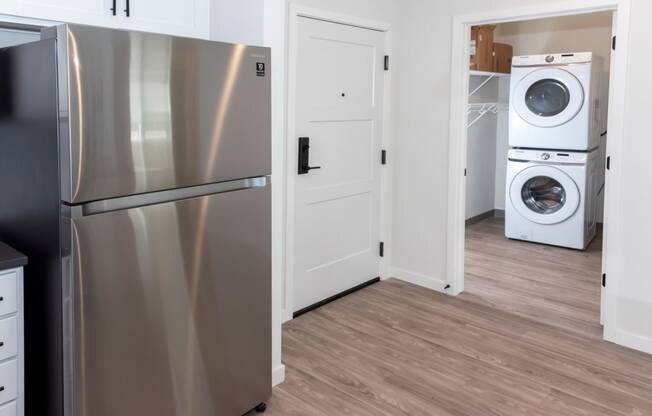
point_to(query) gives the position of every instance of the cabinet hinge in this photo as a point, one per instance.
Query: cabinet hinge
(386, 62)
(383, 157)
(604, 280)
(608, 162)
(464, 171)
(613, 43)
(381, 249)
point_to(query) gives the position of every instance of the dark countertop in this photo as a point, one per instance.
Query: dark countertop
(10, 258)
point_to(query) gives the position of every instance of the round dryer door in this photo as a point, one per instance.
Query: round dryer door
(548, 97)
(544, 195)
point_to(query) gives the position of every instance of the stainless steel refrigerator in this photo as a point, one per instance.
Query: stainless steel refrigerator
(134, 173)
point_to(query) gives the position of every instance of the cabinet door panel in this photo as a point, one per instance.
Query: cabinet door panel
(92, 12)
(182, 18)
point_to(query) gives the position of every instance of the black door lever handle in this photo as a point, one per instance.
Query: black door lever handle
(304, 156)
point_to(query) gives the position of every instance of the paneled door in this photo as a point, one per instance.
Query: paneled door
(337, 150)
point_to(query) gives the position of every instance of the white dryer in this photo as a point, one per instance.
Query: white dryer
(553, 101)
(552, 197)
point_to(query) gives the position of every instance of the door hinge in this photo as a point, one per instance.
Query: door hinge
(383, 157)
(381, 249)
(604, 280)
(386, 62)
(608, 162)
(464, 171)
(613, 43)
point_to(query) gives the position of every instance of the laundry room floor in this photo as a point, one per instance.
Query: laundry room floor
(514, 344)
(552, 285)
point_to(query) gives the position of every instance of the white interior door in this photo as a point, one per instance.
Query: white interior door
(339, 92)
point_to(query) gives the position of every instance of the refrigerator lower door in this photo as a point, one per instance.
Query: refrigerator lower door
(169, 308)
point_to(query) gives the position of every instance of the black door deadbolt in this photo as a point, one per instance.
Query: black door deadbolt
(304, 156)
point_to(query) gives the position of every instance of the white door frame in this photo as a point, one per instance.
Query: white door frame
(296, 12)
(459, 136)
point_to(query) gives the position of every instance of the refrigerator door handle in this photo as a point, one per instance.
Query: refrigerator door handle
(136, 201)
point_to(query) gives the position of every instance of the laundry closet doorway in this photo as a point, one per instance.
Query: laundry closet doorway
(460, 176)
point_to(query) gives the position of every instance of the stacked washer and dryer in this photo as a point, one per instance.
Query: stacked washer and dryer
(555, 169)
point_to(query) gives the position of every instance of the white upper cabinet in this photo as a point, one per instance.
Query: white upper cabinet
(92, 12)
(174, 17)
(178, 17)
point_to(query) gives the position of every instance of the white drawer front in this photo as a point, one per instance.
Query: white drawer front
(7, 293)
(8, 409)
(8, 338)
(8, 381)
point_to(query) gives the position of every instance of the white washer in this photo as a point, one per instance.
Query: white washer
(552, 197)
(554, 100)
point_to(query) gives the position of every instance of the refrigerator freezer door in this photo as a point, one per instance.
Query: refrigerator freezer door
(169, 308)
(145, 112)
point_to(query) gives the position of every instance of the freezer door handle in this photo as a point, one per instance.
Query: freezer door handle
(136, 201)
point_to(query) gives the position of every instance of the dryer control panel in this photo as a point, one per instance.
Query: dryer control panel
(553, 59)
(549, 156)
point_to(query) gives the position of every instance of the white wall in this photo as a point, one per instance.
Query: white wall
(481, 151)
(581, 33)
(502, 147)
(481, 166)
(238, 21)
(274, 36)
(422, 127)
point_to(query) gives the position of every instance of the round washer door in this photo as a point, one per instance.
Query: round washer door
(544, 195)
(548, 97)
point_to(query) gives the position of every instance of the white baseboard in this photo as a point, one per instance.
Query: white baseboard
(419, 279)
(278, 375)
(630, 340)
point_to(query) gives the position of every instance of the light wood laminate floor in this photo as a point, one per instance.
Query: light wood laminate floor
(523, 340)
